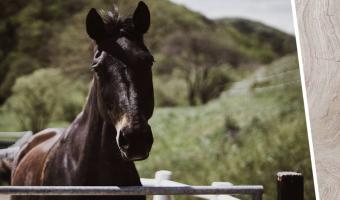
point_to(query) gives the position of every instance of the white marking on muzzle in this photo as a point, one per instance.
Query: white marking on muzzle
(122, 122)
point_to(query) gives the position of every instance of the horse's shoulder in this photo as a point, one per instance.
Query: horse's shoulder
(43, 139)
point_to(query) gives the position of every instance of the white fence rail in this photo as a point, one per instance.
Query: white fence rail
(129, 190)
(159, 187)
(163, 178)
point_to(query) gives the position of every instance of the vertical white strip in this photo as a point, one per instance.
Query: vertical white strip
(304, 92)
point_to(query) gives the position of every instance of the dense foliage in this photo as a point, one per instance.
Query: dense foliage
(44, 96)
(224, 113)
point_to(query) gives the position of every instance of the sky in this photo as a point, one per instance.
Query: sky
(276, 13)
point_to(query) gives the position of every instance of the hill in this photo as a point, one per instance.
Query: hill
(35, 34)
(255, 35)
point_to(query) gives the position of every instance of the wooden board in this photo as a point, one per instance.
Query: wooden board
(4, 197)
(319, 27)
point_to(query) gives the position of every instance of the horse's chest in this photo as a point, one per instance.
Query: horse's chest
(67, 170)
(113, 173)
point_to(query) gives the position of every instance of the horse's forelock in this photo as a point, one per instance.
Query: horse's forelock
(111, 18)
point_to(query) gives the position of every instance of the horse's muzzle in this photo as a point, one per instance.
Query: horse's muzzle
(135, 142)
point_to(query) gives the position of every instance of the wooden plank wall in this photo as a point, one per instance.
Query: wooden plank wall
(319, 28)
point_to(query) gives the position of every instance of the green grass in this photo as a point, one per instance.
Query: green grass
(198, 145)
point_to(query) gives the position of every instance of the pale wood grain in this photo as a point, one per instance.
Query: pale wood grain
(319, 27)
(4, 197)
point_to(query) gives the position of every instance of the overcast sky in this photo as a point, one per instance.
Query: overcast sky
(276, 13)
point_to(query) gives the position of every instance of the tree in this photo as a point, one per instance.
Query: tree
(26, 29)
(35, 98)
(202, 60)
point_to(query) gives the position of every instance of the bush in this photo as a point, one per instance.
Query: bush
(170, 92)
(217, 80)
(43, 96)
(35, 98)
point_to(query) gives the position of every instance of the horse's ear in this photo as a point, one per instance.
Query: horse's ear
(141, 17)
(94, 25)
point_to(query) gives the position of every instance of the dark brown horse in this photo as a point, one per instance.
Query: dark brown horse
(112, 131)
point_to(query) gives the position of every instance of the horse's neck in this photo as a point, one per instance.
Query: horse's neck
(91, 132)
(86, 139)
(89, 152)
(93, 143)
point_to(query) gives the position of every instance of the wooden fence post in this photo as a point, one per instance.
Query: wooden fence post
(159, 177)
(289, 186)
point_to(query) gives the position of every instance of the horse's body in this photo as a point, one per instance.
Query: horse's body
(100, 145)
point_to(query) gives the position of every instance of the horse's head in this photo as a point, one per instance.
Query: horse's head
(122, 67)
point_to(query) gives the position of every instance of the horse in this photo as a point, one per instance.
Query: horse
(112, 131)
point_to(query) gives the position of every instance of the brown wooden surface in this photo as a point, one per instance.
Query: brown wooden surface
(319, 27)
(289, 186)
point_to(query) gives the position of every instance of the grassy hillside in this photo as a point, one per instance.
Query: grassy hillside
(246, 136)
(259, 38)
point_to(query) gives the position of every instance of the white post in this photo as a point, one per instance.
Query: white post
(222, 197)
(159, 177)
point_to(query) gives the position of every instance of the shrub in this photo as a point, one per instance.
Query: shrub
(35, 98)
(43, 96)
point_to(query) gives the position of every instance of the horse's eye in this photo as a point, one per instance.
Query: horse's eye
(128, 34)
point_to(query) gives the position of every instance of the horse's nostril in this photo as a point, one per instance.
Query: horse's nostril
(98, 53)
(122, 142)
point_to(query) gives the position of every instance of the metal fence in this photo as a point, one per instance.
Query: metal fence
(255, 191)
(160, 187)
